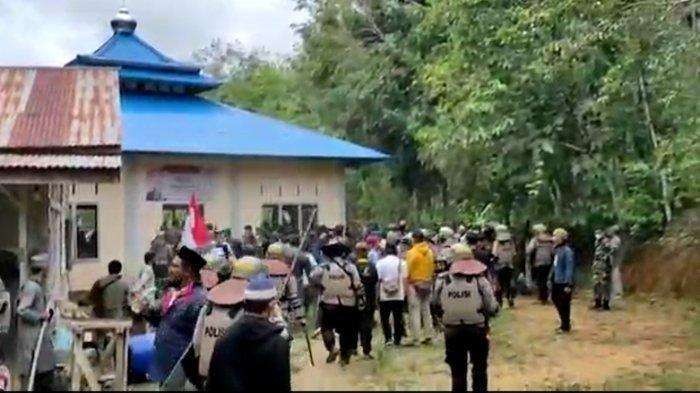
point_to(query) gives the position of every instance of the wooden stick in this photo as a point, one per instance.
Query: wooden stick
(291, 273)
(37, 349)
(301, 247)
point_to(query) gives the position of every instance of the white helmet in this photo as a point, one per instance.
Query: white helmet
(446, 232)
(276, 250)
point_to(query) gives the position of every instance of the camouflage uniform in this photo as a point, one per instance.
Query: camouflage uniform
(602, 271)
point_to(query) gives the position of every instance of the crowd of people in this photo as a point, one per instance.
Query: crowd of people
(423, 283)
(224, 315)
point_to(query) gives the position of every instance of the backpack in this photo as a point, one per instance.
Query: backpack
(392, 287)
(543, 252)
(339, 283)
(336, 282)
(462, 302)
(505, 254)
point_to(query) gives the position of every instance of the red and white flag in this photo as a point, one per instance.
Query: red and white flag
(194, 233)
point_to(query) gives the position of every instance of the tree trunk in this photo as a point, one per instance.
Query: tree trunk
(612, 184)
(665, 188)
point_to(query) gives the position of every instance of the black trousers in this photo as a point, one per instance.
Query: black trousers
(562, 301)
(366, 325)
(43, 382)
(505, 283)
(541, 274)
(344, 321)
(463, 344)
(393, 308)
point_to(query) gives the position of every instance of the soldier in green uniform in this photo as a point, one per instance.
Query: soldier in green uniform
(602, 271)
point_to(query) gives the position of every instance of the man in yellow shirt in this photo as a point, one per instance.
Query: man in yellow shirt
(420, 262)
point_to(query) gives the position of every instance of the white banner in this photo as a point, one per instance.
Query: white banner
(175, 184)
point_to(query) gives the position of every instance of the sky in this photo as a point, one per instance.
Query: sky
(52, 32)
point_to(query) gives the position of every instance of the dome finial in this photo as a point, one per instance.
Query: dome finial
(123, 22)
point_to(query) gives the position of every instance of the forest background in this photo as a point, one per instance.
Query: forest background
(575, 113)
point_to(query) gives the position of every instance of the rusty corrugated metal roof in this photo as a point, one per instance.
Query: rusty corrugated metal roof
(59, 107)
(59, 161)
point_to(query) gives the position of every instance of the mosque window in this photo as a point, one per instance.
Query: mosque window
(288, 218)
(174, 215)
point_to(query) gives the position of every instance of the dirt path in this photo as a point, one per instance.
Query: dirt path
(648, 345)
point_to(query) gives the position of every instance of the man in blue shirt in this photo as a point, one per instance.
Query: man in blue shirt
(563, 280)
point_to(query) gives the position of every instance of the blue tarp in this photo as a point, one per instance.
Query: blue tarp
(186, 124)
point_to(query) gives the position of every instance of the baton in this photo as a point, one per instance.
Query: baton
(179, 360)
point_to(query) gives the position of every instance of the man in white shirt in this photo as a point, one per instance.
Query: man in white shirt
(392, 274)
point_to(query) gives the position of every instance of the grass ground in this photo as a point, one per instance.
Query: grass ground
(650, 344)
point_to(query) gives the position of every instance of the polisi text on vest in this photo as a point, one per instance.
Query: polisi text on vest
(459, 294)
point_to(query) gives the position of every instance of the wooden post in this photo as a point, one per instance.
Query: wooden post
(126, 359)
(22, 255)
(76, 375)
(119, 383)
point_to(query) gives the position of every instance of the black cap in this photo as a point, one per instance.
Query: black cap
(472, 237)
(191, 257)
(335, 249)
(418, 234)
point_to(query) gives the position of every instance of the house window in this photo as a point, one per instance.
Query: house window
(174, 215)
(288, 218)
(86, 231)
(306, 212)
(270, 215)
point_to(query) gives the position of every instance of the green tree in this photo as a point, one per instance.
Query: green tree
(577, 113)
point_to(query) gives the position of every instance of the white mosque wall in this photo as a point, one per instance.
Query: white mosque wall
(232, 192)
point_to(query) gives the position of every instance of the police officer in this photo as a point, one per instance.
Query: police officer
(504, 253)
(540, 251)
(287, 291)
(224, 303)
(444, 259)
(341, 300)
(253, 354)
(467, 302)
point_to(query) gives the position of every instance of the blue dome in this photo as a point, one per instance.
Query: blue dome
(141, 66)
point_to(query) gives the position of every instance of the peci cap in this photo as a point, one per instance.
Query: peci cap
(260, 288)
(192, 257)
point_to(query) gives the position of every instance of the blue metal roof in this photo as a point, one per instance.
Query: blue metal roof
(125, 47)
(142, 63)
(186, 124)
